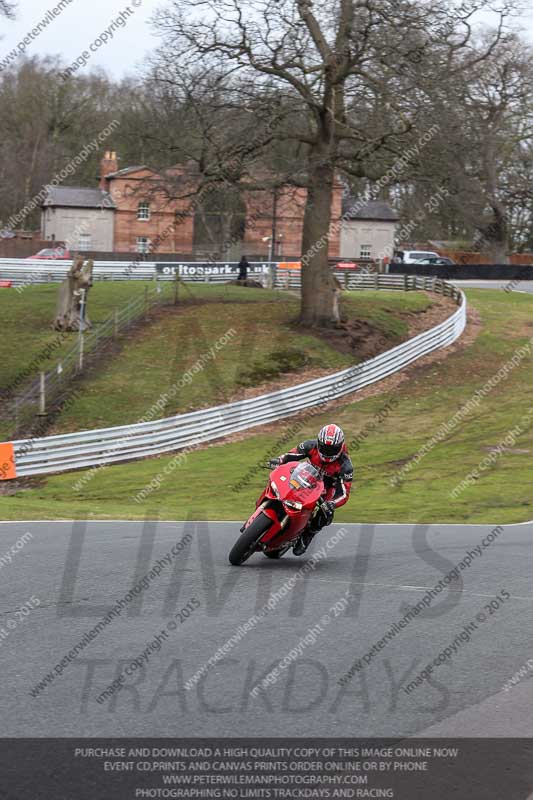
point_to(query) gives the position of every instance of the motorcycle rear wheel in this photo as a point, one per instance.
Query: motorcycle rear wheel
(244, 547)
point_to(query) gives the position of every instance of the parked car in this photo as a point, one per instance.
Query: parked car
(53, 253)
(412, 256)
(442, 261)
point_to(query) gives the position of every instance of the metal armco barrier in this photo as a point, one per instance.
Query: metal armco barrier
(27, 272)
(128, 442)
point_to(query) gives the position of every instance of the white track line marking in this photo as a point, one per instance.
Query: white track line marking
(406, 588)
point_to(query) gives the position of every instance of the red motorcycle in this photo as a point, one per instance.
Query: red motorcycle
(283, 511)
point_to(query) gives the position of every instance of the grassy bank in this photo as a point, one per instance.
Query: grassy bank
(263, 346)
(27, 319)
(205, 484)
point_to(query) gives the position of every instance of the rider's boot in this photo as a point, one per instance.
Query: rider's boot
(303, 542)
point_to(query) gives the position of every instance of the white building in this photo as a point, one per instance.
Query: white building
(367, 232)
(81, 218)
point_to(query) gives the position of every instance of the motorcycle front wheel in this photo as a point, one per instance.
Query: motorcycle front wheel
(245, 545)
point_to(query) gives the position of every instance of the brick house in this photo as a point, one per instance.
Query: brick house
(149, 216)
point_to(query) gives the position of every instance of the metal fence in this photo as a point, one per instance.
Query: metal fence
(52, 384)
(29, 272)
(353, 280)
(129, 442)
(267, 273)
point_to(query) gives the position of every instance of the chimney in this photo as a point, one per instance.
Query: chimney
(108, 165)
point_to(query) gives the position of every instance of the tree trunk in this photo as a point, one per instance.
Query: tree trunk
(496, 237)
(320, 296)
(496, 232)
(71, 292)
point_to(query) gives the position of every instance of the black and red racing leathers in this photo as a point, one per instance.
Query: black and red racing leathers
(338, 474)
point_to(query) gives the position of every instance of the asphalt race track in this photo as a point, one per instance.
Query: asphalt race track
(521, 286)
(77, 571)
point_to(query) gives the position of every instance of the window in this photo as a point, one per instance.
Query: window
(143, 211)
(419, 255)
(366, 251)
(143, 244)
(84, 241)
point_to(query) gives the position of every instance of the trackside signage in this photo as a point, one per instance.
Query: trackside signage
(199, 268)
(8, 467)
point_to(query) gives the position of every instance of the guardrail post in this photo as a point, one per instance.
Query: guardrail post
(406, 282)
(145, 302)
(376, 280)
(115, 326)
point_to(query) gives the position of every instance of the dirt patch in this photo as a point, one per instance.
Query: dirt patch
(363, 340)
(440, 309)
(8, 488)
(357, 337)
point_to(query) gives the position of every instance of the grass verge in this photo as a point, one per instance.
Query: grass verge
(264, 346)
(204, 485)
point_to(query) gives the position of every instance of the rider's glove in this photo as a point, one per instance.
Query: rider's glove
(327, 508)
(274, 462)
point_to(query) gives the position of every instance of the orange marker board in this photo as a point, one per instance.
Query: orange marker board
(8, 467)
(290, 265)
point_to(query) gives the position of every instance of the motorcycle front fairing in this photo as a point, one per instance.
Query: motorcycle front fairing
(289, 500)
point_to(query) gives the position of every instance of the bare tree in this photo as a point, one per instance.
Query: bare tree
(500, 103)
(482, 153)
(7, 9)
(44, 123)
(355, 74)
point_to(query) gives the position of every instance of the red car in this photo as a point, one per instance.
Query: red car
(53, 253)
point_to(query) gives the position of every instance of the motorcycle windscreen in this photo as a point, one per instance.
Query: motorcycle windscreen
(304, 476)
(306, 483)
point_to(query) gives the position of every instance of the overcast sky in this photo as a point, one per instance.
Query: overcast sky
(82, 21)
(80, 24)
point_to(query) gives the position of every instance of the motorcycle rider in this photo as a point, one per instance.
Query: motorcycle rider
(329, 454)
